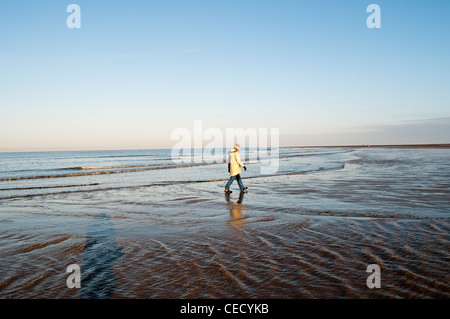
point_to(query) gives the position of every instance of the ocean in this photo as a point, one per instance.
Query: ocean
(141, 225)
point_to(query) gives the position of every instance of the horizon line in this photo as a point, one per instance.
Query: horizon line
(420, 145)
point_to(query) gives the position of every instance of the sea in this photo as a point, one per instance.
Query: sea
(154, 224)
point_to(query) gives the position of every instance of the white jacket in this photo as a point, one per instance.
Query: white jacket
(235, 162)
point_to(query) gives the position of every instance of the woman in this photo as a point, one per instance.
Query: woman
(234, 167)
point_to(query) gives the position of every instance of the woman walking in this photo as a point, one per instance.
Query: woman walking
(234, 168)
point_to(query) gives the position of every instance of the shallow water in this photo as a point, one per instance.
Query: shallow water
(308, 232)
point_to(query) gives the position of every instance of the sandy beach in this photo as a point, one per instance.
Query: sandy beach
(305, 235)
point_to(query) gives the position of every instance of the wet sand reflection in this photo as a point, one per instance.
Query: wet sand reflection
(236, 215)
(101, 251)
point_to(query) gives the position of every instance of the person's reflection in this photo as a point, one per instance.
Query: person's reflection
(236, 216)
(100, 253)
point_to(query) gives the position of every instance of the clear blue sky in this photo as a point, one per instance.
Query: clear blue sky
(136, 70)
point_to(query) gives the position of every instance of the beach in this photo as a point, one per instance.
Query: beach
(141, 226)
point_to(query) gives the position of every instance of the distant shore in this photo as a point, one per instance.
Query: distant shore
(378, 146)
(442, 145)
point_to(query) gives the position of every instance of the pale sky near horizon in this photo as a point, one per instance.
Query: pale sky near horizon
(137, 70)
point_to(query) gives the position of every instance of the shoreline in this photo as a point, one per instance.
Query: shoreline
(441, 145)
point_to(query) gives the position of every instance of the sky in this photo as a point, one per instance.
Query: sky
(137, 70)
